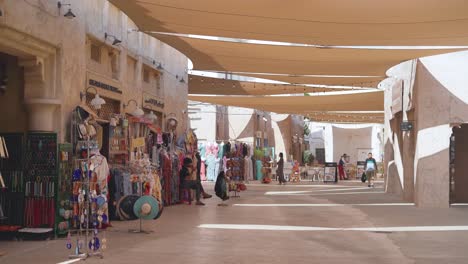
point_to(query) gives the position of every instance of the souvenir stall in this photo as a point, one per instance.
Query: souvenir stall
(134, 172)
(212, 157)
(28, 183)
(248, 165)
(88, 200)
(234, 160)
(295, 173)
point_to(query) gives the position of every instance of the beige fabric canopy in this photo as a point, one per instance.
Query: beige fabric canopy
(332, 80)
(371, 101)
(347, 117)
(207, 85)
(338, 22)
(246, 57)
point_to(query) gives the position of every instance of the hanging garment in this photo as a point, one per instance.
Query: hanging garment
(210, 169)
(100, 167)
(221, 150)
(248, 169)
(167, 176)
(203, 170)
(175, 179)
(259, 166)
(202, 150)
(224, 164)
(154, 155)
(157, 190)
(254, 167)
(159, 138)
(218, 164)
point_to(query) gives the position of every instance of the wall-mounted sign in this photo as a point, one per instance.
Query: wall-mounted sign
(154, 101)
(137, 143)
(406, 126)
(104, 86)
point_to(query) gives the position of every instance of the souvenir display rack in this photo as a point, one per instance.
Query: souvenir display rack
(12, 196)
(235, 174)
(118, 141)
(41, 175)
(84, 200)
(85, 219)
(64, 192)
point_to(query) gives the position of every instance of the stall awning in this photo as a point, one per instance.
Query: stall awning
(322, 80)
(369, 101)
(246, 57)
(207, 85)
(342, 22)
(346, 117)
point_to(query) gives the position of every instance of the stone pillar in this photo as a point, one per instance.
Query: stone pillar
(42, 114)
(408, 153)
(39, 93)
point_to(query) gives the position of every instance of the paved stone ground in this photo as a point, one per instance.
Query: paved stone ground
(178, 238)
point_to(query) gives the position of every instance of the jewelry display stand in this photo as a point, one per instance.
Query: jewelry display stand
(3, 155)
(87, 219)
(87, 214)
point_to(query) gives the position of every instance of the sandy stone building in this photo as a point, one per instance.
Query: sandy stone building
(51, 51)
(426, 162)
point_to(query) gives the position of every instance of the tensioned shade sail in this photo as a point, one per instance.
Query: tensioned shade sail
(207, 85)
(332, 80)
(246, 57)
(370, 101)
(347, 117)
(337, 22)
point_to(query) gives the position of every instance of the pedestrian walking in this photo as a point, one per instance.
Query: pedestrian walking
(279, 170)
(370, 168)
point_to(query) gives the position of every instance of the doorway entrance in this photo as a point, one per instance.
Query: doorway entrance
(459, 164)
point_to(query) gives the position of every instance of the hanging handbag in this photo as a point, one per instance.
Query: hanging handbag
(82, 131)
(364, 177)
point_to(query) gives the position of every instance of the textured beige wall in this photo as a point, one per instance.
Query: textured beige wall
(14, 115)
(289, 127)
(67, 71)
(424, 151)
(348, 141)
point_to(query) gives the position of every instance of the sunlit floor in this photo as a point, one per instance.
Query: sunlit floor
(344, 223)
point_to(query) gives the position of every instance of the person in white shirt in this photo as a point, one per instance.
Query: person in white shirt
(370, 168)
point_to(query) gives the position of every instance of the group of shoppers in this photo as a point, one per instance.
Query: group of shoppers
(194, 183)
(370, 168)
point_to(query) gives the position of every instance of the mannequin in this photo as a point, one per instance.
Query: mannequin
(211, 162)
(202, 150)
(217, 161)
(248, 166)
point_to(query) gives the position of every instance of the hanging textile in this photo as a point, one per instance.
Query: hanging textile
(202, 150)
(221, 150)
(248, 169)
(210, 162)
(259, 166)
(175, 181)
(166, 177)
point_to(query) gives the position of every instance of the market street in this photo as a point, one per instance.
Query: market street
(280, 228)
